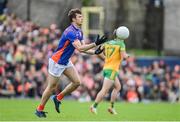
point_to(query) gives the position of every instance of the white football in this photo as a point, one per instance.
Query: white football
(122, 32)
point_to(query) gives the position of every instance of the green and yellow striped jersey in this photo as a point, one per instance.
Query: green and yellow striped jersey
(113, 57)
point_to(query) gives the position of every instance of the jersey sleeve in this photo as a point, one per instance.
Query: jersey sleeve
(71, 36)
(122, 46)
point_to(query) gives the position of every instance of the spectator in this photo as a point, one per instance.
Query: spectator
(6, 88)
(22, 72)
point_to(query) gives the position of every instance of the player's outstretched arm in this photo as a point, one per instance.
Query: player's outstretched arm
(99, 51)
(102, 56)
(82, 48)
(100, 40)
(90, 52)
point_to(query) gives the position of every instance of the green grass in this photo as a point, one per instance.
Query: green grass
(23, 110)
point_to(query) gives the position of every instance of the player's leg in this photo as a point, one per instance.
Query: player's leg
(105, 88)
(116, 89)
(114, 94)
(52, 81)
(72, 74)
(55, 71)
(109, 77)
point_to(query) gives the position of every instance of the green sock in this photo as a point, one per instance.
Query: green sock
(112, 104)
(95, 105)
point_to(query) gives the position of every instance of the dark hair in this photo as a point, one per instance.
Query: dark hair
(72, 13)
(114, 33)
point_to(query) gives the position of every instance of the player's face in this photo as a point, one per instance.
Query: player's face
(79, 19)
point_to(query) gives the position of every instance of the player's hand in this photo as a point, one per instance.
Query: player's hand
(100, 40)
(127, 56)
(99, 50)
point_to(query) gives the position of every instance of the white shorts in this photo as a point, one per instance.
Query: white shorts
(56, 69)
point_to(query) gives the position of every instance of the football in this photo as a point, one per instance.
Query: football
(122, 32)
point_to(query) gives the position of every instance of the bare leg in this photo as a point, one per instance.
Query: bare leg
(115, 92)
(52, 81)
(72, 74)
(105, 88)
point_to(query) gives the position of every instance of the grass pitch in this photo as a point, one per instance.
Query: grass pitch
(23, 110)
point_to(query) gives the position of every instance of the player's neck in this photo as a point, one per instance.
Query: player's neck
(117, 39)
(76, 25)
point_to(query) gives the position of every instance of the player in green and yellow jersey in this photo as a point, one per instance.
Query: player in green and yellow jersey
(114, 52)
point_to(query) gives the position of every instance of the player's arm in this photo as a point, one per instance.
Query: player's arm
(102, 56)
(82, 48)
(90, 51)
(100, 52)
(124, 55)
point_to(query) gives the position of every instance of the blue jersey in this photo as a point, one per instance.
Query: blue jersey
(65, 48)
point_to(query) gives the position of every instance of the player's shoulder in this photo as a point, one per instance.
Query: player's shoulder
(109, 42)
(69, 31)
(115, 42)
(120, 42)
(72, 30)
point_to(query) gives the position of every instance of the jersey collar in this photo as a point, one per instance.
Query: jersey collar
(119, 39)
(76, 28)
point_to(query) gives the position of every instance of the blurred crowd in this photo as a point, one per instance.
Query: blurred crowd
(25, 48)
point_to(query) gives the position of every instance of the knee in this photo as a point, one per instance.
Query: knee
(104, 91)
(52, 86)
(118, 88)
(77, 84)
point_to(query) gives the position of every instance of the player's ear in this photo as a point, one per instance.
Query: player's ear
(73, 19)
